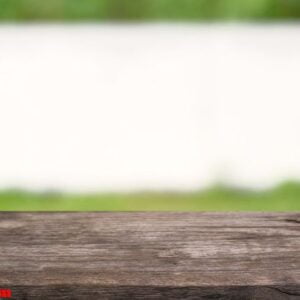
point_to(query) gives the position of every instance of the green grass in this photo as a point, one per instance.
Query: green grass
(285, 197)
(103, 10)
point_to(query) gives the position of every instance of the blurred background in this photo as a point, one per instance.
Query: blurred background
(149, 105)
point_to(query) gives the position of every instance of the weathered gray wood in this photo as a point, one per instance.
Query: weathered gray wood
(150, 255)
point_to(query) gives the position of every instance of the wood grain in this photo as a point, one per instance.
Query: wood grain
(150, 255)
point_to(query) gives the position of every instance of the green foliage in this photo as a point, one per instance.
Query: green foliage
(193, 10)
(285, 197)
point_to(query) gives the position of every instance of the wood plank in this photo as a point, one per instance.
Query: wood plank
(150, 255)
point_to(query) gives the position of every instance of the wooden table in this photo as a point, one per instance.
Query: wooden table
(150, 255)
